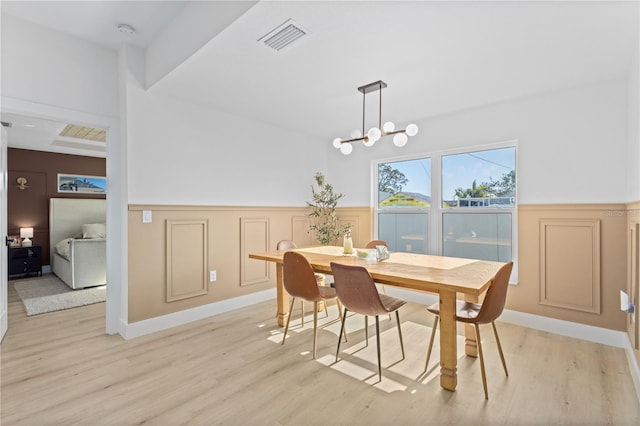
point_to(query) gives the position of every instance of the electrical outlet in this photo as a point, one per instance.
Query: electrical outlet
(147, 216)
(213, 275)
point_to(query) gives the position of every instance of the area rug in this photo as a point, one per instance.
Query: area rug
(48, 294)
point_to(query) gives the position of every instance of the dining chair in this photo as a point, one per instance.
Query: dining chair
(300, 282)
(357, 292)
(320, 278)
(373, 243)
(476, 314)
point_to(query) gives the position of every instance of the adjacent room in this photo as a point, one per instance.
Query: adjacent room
(471, 168)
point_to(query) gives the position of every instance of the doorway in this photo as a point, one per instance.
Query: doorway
(115, 310)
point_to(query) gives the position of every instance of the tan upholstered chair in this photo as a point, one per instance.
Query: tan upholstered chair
(358, 293)
(300, 282)
(373, 243)
(288, 245)
(473, 313)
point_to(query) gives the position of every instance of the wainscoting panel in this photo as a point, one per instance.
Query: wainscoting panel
(254, 237)
(233, 232)
(300, 231)
(186, 259)
(570, 264)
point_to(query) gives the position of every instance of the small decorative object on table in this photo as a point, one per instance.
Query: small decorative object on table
(382, 253)
(13, 241)
(348, 243)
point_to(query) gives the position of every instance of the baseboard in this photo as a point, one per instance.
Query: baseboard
(618, 339)
(634, 368)
(142, 328)
(604, 336)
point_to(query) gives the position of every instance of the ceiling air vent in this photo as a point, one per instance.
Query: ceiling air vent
(283, 35)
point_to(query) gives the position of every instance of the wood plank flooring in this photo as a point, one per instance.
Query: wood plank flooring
(61, 369)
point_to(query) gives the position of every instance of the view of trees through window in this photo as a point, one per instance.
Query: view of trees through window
(474, 196)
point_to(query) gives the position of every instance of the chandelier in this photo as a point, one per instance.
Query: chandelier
(400, 137)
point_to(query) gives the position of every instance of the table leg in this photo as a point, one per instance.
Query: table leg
(281, 296)
(470, 344)
(448, 341)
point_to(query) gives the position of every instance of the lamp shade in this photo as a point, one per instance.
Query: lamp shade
(26, 232)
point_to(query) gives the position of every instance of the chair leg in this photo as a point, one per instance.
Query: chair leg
(340, 316)
(315, 327)
(344, 318)
(400, 332)
(481, 356)
(378, 343)
(286, 327)
(302, 309)
(433, 335)
(366, 330)
(504, 364)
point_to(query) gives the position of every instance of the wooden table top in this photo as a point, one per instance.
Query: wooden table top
(407, 270)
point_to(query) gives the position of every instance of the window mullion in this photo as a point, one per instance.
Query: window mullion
(435, 216)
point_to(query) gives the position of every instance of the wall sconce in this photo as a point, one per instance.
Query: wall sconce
(22, 183)
(26, 233)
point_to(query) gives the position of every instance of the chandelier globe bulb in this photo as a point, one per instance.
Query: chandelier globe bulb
(388, 127)
(400, 139)
(346, 148)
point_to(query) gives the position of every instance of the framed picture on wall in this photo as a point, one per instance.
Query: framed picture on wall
(80, 184)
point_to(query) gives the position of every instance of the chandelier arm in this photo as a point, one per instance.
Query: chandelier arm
(394, 132)
(364, 138)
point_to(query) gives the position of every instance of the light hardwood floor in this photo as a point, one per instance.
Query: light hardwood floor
(60, 368)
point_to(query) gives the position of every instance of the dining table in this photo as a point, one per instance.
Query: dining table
(449, 277)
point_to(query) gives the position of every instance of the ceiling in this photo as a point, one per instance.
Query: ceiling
(436, 57)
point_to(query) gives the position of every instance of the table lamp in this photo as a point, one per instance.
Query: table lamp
(26, 233)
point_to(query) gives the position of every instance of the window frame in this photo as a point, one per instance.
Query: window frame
(435, 243)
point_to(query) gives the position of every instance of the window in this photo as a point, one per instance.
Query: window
(477, 188)
(466, 209)
(404, 201)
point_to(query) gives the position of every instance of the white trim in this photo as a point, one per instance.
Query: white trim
(605, 336)
(634, 368)
(116, 306)
(590, 333)
(152, 325)
(600, 335)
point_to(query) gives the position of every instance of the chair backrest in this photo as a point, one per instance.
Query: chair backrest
(298, 277)
(356, 290)
(374, 243)
(285, 245)
(494, 300)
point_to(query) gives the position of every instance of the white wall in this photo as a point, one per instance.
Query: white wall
(572, 145)
(633, 157)
(48, 67)
(182, 153)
